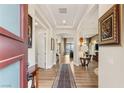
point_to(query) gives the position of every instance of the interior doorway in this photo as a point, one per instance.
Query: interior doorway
(40, 51)
(70, 50)
(68, 56)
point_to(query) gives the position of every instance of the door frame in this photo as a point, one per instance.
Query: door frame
(38, 33)
(18, 46)
(45, 29)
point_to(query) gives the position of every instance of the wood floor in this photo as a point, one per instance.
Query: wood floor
(84, 77)
(46, 77)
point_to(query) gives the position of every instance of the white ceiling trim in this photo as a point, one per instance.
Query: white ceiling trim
(42, 16)
(65, 26)
(40, 22)
(65, 35)
(65, 31)
(74, 22)
(88, 11)
(50, 12)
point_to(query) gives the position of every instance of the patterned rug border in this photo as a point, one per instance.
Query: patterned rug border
(73, 83)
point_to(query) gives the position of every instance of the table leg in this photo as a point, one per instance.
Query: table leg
(82, 62)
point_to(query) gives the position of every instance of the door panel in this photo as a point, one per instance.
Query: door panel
(42, 50)
(10, 18)
(12, 71)
(13, 46)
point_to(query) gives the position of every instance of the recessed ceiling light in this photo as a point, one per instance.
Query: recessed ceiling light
(64, 21)
(36, 23)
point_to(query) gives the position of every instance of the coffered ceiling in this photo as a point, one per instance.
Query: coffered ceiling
(69, 18)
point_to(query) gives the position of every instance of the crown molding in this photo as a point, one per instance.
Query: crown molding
(91, 8)
(38, 8)
(65, 26)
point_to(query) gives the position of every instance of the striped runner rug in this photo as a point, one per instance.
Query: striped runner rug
(64, 78)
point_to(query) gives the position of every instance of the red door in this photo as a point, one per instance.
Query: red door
(13, 45)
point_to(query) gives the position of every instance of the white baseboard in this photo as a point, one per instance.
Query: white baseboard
(76, 64)
(50, 66)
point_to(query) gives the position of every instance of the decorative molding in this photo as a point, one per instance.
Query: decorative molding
(93, 7)
(8, 34)
(37, 8)
(50, 12)
(6, 62)
(66, 26)
(40, 22)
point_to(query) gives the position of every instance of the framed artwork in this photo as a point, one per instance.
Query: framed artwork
(52, 44)
(29, 31)
(109, 26)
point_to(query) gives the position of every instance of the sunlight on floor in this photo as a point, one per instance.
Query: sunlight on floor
(67, 59)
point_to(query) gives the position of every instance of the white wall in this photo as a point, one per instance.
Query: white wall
(50, 55)
(111, 60)
(50, 33)
(41, 47)
(31, 51)
(76, 49)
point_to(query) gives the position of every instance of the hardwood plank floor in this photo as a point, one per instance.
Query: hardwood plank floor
(46, 77)
(84, 77)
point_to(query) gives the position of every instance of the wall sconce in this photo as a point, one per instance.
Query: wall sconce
(81, 40)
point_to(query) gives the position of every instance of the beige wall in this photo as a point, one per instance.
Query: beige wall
(111, 60)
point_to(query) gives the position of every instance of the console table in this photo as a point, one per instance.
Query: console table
(85, 61)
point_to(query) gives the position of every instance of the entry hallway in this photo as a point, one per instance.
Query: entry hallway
(83, 77)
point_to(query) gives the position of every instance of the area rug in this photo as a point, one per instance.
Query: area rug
(64, 78)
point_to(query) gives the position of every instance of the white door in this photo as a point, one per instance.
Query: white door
(42, 50)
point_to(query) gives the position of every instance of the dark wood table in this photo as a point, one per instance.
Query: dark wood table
(83, 61)
(31, 74)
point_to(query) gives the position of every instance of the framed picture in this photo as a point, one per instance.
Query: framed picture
(52, 44)
(29, 31)
(109, 27)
